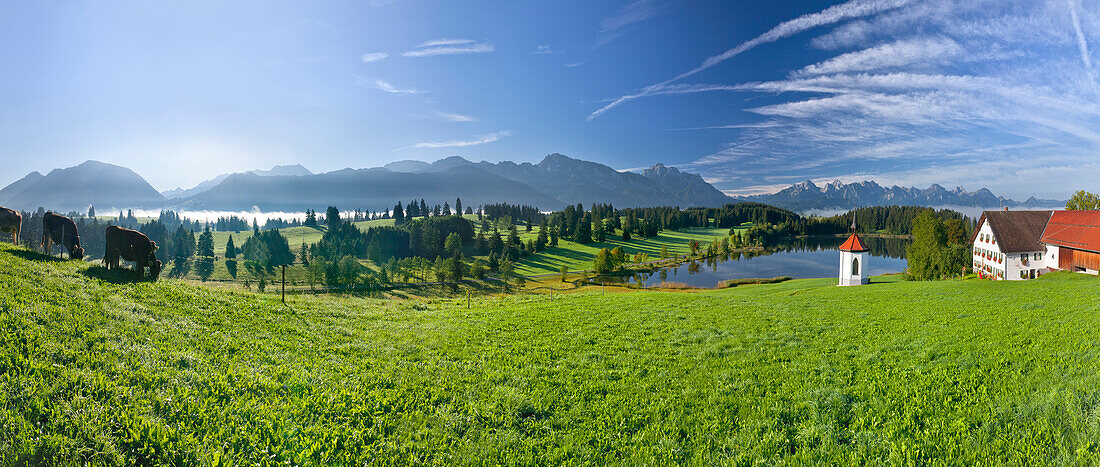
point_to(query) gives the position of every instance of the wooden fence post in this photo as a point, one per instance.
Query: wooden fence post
(284, 284)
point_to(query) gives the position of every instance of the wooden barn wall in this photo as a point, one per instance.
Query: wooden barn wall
(1070, 260)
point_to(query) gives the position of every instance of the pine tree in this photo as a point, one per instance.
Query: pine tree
(495, 241)
(303, 254)
(91, 212)
(446, 209)
(453, 245)
(398, 214)
(332, 218)
(230, 249)
(458, 206)
(583, 234)
(544, 236)
(206, 243)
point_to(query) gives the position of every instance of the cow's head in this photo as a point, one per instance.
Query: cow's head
(154, 268)
(76, 252)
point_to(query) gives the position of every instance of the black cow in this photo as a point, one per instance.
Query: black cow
(62, 231)
(11, 222)
(130, 245)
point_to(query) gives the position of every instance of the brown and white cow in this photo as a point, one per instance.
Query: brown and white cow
(62, 231)
(131, 245)
(11, 222)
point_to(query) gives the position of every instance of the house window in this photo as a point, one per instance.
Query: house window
(1038, 256)
(855, 266)
(1023, 257)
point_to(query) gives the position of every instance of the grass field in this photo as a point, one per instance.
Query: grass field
(574, 255)
(577, 256)
(93, 370)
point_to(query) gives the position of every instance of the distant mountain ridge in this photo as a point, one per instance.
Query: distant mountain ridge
(551, 184)
(294, 170)
(837, 195)
(572, 181)
(92, 183)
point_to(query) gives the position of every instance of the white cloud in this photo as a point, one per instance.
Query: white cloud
(384, 86)
(451, 117)
(449, 47)
(439, 42)
(1082, 43)
(483, 139)
(640, 10)
(374, 57)
(890, 55)
(845, 11)
(542, 50)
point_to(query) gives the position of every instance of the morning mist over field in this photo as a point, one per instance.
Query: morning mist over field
(621, 232)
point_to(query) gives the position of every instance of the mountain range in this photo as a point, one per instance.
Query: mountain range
(808, 196)
(179, 193)
(76, 188)
(551, 184)
(554, 182)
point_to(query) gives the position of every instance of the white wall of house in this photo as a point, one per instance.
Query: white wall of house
(1050, 259)
(991, 260)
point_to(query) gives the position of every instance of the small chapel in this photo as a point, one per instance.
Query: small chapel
(853, 256)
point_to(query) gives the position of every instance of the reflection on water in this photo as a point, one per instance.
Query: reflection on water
(798, 258)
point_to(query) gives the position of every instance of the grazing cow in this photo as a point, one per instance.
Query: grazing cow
(11, 222)
(62, 231)
(131, 245)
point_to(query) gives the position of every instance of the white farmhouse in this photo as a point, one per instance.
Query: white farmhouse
(1007, 245)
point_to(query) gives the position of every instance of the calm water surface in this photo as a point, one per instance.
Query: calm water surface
(800, 259)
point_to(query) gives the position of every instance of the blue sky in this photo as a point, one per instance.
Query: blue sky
(752, 95)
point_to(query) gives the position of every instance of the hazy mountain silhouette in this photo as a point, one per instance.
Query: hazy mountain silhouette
(375, 189)
(572, 181)
(93, 183)
(837, 195)
(295, 170)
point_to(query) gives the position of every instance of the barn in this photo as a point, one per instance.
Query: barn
(1072, 239)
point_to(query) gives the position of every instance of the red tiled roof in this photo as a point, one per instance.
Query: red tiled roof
(854, 244)
(1074, 229)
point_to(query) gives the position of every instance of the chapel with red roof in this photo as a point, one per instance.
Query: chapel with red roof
(853, 257)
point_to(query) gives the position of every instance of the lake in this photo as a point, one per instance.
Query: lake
(800, 259)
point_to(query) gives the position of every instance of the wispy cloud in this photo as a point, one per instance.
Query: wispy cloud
(451, 117)
(890, 55)
(483, 139)
(640, 10)
(957, 92)
(449, 47)
(440, 42)
(1082, 43)
(832, 15)
(373, 57)
(542, 50)
(384, 86)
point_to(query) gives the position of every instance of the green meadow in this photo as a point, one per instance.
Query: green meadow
(574, 256)
(95, 369)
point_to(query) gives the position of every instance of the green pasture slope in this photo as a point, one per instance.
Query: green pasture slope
(96, 370)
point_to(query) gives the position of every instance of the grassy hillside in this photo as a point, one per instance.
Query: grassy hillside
(95, 370)
(574, 255)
